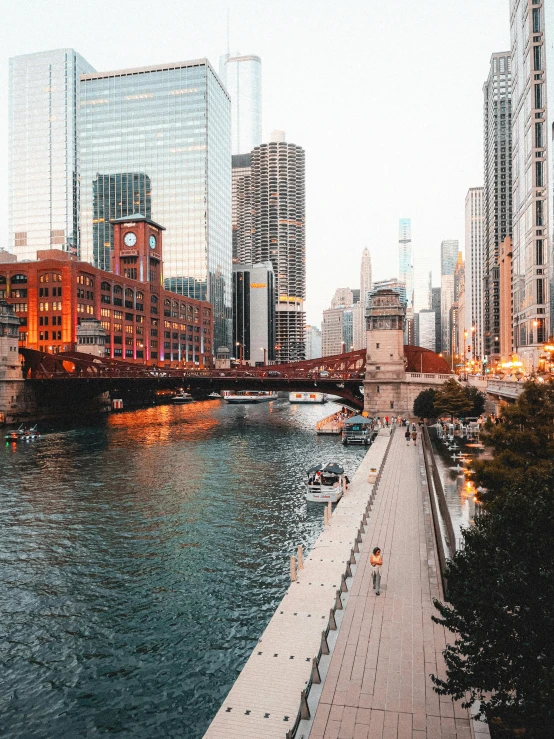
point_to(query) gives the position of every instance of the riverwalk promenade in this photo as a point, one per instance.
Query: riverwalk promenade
(375, 683)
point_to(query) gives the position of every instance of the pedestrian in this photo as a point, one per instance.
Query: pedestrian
(407, 436)
(376, 562)
(414, 436)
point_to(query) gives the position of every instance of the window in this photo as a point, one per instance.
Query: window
(43, 292)
(43, 306)
(539, 252)
(536, 20)
(19, 292)
(106, 286)
(540, 291)
(105, 299)
(117, 290)
(19, 280)
(19, 307)
(43, 321)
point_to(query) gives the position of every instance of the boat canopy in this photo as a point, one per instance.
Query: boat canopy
(355, 420)
(333, 468)
(314, 469)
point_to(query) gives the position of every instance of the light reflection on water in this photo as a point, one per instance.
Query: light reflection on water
(140, 559)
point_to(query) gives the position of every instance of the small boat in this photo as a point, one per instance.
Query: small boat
(248, 396)
(182, 397)
(307, 398)
(326, 483)
(22, 434)
(214, 396)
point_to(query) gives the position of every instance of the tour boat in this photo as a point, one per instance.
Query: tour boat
(248, 396)
(307, 398)
(22, 434)
(182, 397)
(326, 483)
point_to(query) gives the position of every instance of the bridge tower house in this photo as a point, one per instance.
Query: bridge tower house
(385, 388)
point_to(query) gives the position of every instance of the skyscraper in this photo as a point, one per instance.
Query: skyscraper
(171, 124)
(241, 189)
(436, 308)
(449, 257)
(497, 194)
(365, 277)
(532, 51)
(43, 178)
(422, 279)
(271, 227)
(254, 312)
(405, 258)
(313, 342)
(474, 268)
(242, 75)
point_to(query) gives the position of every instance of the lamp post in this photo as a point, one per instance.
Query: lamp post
(239, 345)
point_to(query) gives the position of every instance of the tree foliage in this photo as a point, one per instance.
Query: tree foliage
(453, 399)
(424, 404)
(501, 610)
(522, 444)
(478, 400)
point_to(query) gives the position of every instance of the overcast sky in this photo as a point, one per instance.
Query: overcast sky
(386, 99)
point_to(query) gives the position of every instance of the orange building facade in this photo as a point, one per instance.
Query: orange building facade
(143, 322)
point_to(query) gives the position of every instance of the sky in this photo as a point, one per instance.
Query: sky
(385, 98)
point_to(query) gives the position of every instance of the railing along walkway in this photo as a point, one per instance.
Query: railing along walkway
(378, 682)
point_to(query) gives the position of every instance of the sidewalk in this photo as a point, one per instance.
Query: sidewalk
(378, 685)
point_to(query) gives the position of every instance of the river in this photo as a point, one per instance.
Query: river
(141, 556)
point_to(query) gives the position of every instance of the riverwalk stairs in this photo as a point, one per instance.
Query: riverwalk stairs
(376, 682)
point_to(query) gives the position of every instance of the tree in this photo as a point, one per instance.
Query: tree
(478, 399)
(522, 444)
(424, 404)
(501, 610)
(452, 398)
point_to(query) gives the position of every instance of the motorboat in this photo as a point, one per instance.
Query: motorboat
(182, 397)
(214, 396)
(22, 434)
(248, 396)
(326, 483)
(358, 430)
(307, 398)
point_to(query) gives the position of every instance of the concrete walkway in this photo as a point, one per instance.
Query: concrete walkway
(378, 684)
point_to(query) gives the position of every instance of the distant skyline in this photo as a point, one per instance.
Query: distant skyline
(385, 100)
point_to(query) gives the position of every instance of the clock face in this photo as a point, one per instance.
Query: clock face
(130, 239)
(152, 242)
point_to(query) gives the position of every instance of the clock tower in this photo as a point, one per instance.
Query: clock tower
(138, 249)
(385, 367)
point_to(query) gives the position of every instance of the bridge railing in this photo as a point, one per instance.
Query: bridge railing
(428, 377)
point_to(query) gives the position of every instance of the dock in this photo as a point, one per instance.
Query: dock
(337, 661)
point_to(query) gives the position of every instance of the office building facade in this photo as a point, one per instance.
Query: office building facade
(254, 312)
(241, 190)
(497, 193)
(43, 151)
(242, 76)
(425, 329)
(171, 124)
(474, 266)
(532, 54)
(436, 308)
(313, 342)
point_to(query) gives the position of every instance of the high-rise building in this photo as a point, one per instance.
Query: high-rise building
(422, 279)
(313, 342)
(532, 53)
(241, 190)
(457, 322)
(474, 264)
(343, 297)
(337, 331)
(43, 151)
(425, 329)
(366, 282)
(242, 75)
(449, 256)
(497, 193)
(171, 124)
(254, 312)
(506, 306)
(392, 283)
(271, 227)
(405, 258)
(436, 308)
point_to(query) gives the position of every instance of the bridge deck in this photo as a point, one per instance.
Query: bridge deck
(378, 684)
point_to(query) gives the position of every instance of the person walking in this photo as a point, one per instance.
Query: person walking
(376, 562)
(407, 436)
(414, 436)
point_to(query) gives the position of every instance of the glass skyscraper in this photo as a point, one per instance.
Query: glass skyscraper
(44, 151)
(405, 263)
(242, 76)
(164, 133)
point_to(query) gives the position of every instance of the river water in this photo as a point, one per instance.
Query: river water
(141, 558)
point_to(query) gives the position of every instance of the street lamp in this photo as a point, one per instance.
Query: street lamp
(239, 345)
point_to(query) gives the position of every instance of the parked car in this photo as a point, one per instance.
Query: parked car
(273, 373)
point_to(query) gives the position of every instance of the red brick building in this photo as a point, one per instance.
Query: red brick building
(143, 322)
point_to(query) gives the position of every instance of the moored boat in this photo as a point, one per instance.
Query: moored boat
(326, 483)
(22, 434)
(182, 397)
(307, 398)
(248, 396)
